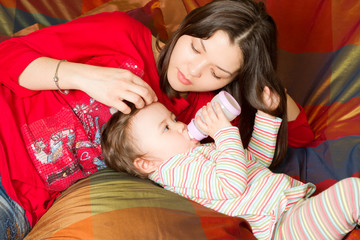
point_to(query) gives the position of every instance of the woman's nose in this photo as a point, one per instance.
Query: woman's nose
(196, 68)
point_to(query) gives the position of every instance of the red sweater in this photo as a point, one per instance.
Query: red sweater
(50, 140)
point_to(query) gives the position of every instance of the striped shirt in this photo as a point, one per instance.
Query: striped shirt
(236, 181)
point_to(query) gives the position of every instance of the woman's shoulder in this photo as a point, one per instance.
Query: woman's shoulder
(112, 19)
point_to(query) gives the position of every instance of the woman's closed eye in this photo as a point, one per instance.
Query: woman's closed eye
(214, 75)
(198, 52)
(194, 49)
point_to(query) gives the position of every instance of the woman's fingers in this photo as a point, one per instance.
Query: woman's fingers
(124, 85)
(109, 86)
(144, 90)
(122, 107)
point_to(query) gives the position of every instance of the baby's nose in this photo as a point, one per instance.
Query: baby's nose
(181, 126)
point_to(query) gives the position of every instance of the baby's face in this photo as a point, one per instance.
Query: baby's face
(158, 135)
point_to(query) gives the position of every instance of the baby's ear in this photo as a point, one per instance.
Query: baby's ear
(144, 165)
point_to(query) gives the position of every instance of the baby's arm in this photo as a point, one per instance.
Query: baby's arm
(263, 141)
(229, 171)
(262, 144)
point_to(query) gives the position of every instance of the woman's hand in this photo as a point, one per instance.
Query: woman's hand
(111, 86)
(213, 121)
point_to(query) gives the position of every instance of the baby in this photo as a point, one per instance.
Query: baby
(150, 143)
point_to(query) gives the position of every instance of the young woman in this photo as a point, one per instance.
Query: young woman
(58, 85)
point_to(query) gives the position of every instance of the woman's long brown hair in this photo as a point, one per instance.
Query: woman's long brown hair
(254, 31)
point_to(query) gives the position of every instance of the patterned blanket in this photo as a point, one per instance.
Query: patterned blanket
(319, 52)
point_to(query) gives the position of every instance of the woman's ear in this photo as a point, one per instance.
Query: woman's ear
(144, 165)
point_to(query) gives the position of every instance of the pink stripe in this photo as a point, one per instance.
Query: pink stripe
(323, 213)
(266, 133)
(262, 156)
(353, 204)
(312, 219)
(185, 174)
(273, 191)
(197, 181)
(259, 142)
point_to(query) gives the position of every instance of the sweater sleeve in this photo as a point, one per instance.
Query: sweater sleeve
(263, 140)
(300, 133)
(76, 41)
(230, 163)
(207, 174)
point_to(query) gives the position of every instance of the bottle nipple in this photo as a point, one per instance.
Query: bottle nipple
(229, 106)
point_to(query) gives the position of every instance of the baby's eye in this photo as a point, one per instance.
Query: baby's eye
(166, 128)
(175, 119)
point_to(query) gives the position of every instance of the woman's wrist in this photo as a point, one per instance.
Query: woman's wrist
(73, 75)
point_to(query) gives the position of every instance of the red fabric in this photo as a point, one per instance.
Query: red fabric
(299, 131)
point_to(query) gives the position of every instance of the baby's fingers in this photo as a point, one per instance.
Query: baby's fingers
(270, 99)
(202, 125)
(219, 112)
(208, 113)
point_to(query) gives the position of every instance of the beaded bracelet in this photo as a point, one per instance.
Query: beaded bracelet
(56, 78)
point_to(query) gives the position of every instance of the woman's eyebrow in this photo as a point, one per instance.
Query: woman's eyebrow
(204, 48)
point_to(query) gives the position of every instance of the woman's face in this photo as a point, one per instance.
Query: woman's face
(198, 65)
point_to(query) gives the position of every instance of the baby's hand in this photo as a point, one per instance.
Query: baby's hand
(213, 121)
(270, 100)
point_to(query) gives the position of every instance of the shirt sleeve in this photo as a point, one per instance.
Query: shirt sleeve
(77, 41)
(230, 162)
(206, 173)
(263, 140)
(300, 133)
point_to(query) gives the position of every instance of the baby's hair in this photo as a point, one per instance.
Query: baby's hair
(118, 147)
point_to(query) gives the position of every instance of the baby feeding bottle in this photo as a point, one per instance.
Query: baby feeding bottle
(229, 106)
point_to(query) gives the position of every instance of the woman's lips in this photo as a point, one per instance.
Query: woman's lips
(182, 78)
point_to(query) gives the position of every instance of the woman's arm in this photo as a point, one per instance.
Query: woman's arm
(107, 85)
(32, 59)
(292, 109)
